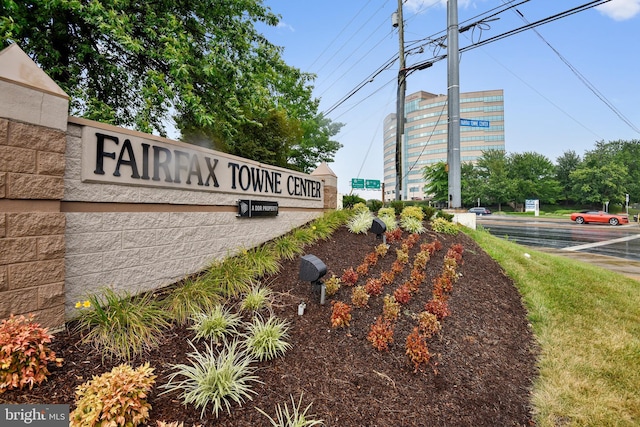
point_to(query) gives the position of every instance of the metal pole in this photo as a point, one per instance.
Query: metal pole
(453, 106)
(400, 103)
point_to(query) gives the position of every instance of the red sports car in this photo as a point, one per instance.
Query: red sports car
(599, 216)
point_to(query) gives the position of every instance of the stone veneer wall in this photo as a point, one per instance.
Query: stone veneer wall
(62, 239)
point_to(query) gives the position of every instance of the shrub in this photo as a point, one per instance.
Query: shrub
(444, 215)
(258, 298)
(123, 326)
(412, 225)
(387, 277)
(216, 379)
(421, 259)
(398, 206)
(402, 256)
(374, 205)
(189, 297)
(362, 269)
(373, 287)
(332, 285)
(381, 334)
(359, 297)
(350, 200)
(389, 221)
(441, 225)
(360, 222)
(388, 211)
(397, 267)
(116, 398)
(390, 308)
(371, 258)
(412, 212)
(24, 353)
(295, 418)
(349, 277)
(340, 314)
(416, 349)
(429, 211)
(216, 324)
(361, 207)
(393, 235)
(428, 324)
(266, 340)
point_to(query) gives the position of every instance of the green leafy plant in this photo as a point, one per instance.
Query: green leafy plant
(441, 225)
(266, 340)
(374, 205)
(332, 285)
(360, 222)
(115, 398)
(361, 207)
(258, 298)
(416, 349)
(123, 326)
(304, 235)
(359, 297)
(188, 297)
(293, 418)
(412, 212)
(381, 334)
(286, 247)
(216, 324)
(350, 200)
(261, 260)
(444, 215)
(412, 225)
(230, 277)
(340, 314)
(24, 353)
(212, 378)
(388, 211)
(429, 211)
(397, 205)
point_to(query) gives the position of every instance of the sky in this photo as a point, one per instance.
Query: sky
(568, 84)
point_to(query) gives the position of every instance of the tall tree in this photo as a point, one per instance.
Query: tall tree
(497, 188)
(470, 184)
(198, 66)
(533, 177)
(437, 178)
(565, 164)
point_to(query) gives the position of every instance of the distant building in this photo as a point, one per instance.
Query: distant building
(425, 141)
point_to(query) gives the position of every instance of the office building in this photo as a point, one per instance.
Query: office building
(425, 136)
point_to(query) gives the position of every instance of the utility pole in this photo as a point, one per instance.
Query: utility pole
(402, 86)
(453, 106)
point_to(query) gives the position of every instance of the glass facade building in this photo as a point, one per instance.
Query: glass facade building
(425, 136)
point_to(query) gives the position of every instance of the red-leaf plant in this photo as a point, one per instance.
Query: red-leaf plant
(349, 277)
(381, 334)
(373, 287)
(340, 315)
(403, 294)
(417, 350)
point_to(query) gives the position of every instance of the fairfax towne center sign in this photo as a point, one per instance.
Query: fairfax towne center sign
(118, 158)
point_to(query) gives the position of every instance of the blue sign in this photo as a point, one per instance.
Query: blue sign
(475, 123)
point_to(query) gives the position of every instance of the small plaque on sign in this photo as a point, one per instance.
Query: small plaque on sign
(251, 208)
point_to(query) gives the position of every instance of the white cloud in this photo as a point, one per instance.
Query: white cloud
(620, 9)
(282, 24)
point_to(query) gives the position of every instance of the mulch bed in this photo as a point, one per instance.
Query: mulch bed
(480, 374)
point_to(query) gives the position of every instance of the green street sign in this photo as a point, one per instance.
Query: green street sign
(372, 184)
(357, 182)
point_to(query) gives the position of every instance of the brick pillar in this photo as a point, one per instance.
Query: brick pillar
(33, 121)
(330, 185)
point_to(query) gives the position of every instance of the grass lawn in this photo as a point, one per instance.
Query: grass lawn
(587, 323)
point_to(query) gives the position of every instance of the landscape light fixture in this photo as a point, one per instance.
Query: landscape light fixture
(311, 270)
(378, 227)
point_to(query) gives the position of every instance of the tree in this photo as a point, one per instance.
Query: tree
(601, 177)
(497, 188)
(201, 65)
(437, 177)
(533, 177)
(565, 164)
(470, 184)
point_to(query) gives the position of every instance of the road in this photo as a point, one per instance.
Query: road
(613, 247)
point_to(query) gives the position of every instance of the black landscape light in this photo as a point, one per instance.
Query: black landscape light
(311, 270)
(378, 227)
